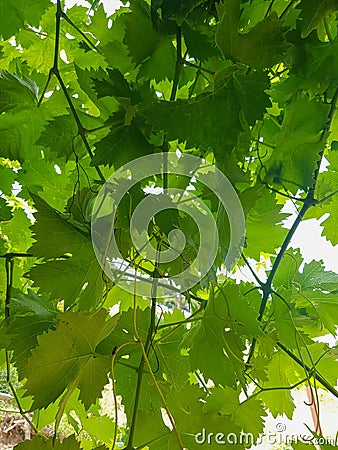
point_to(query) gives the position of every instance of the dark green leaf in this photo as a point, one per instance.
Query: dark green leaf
(313, 12)
(261, 47)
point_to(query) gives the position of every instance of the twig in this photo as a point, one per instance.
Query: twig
(313, 373)
(178, 66)
(55, 71)
(67, 19)
(199, 67)
(308, 202)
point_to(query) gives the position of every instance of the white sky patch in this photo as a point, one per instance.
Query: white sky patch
(63, 56)
(110, 6)
(57, 169)
(308, 238)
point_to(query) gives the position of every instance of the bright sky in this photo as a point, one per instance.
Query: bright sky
(110, 6)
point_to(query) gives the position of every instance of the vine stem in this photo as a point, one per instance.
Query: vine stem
(151, 330)
(86, 38)
(9, 266)
(178, 66)
(313, 373)
(115, 352)
(140, 370)
(308, 202)
(54, 71)
(199, 68)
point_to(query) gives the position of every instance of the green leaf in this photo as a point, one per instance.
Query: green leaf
(173, 364)
(302, 446)
(37, 443)
(70, 270)
(253, 89)
(285, 324)
(68, 238)
(30, 316)
(5, 211)
(123, 144)
(326, 194)
(16, 15)
(198, 44)
(216, 337)
(16, 232)
(21, 123)
(230, 303)
(313, 12)
(178, 9)
(282, 372)
(147, 46)
(322, 307)
(140, 37)
(18, 132)
(59, 136)
(116, 85)
(99, 25)
(191, 401)
(300, 139)
(68, 358)
(123, 333)
(16, 93)
(314, 277)
(227, 401)
(263, 45)
(265, 215)
(7, 178)
(213, 120)
(54, 183)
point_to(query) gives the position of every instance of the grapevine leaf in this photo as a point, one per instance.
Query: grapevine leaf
(71, 279)
(5, 211)
(286, 327)
(67, 357)
(172, 364)
(314, 277)
(313, 12)
(68, 239)
(49, 181)
(30, 316)
(7, 178)
(59, 136)
(99, 25)
(187, 402)
(326, 189)
(266, 213)
(226, 401)
(16, 231)
(281, 373)
(177, 9)
(199, 45)
(300, 139)
(148, 46)
(15, 92)
(250, 86)
(261, 47)
(70, 269)
(215, 336)
(212, 120)
(123, 144)
(123, 334)
(37, 443)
